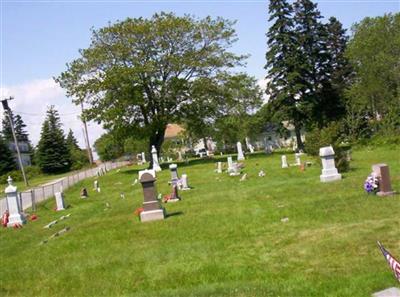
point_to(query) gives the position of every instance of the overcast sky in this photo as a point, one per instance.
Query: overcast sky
(39, 37)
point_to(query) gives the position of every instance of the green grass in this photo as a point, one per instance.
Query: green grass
(225, 238)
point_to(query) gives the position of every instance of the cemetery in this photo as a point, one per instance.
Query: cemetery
(200, 148)
(285, 233)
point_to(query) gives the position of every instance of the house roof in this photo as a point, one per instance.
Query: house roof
(173, 130)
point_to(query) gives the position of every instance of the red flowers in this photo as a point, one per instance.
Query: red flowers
(138, 211)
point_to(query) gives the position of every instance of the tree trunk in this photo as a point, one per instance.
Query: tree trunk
(300, 145)
(156, 139)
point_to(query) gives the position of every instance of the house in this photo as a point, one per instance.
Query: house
(25, 151)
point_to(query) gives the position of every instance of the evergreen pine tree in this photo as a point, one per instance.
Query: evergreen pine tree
(331, 105)
(282, 66)
(311, 55)
(71, 141)
(7, 162)
(6, 127)
(52, 154)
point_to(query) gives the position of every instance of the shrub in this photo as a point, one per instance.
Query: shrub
(330, 135)
(16, 175)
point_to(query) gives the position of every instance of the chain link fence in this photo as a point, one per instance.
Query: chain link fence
(38, 194)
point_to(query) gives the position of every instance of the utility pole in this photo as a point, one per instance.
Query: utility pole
(7, 110)
(88, 149)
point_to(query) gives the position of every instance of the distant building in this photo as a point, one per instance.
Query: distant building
(25, 151)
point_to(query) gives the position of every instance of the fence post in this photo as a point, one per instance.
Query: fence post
(20, 200)
(33, 200)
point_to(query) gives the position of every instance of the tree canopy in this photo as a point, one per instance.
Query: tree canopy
(140, 74)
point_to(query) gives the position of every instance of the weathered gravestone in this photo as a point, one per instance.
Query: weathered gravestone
(329, 171)
(230, 163)
(297, 159)
(60, 203)
(184, 183)
(152, 209)
(156, 165)
(16, 217)
(174, 174)
(180, 156)
(240, 156)
(143, 158)
(381, 171)
(219, 167)
(284, 162)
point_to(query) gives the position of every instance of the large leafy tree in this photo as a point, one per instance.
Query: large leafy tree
(7, 161)
(52, 153)
(374, 52)
(109, 147)
(140, 74)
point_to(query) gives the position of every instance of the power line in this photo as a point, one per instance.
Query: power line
(40, 115)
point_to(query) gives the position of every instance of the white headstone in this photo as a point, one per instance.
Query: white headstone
(13, 205)
(284, 162)
(60, 204)
(329, 171)
(219, 168)
(156, 165)
(230, 164)
(240, 156)
(180, 156)
(184, 182)
(297, 158)
(143, 158)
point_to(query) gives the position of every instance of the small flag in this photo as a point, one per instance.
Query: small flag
(393, 263)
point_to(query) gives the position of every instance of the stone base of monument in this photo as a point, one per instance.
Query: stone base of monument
(329, 175)
(391, 292)
(173, 200)
(14, 219)
(386, 193)
(152, 215)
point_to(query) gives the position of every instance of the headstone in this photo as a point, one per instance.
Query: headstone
(240, 156)
(60, 203)
(284, 162)
(14, 207)
(84, 193)
(156, 165)
(382, 172)
(96, 185)
(391, 292)
(169, 159)
(143, 158)
(261, 173)
(329, 171)
(174, 174)
(297, 158)
(152, 209)
(244, 177)
(230, 164)
(174, 197)
(251, 148)
(219, 167)
(161, 159)
(184, 183)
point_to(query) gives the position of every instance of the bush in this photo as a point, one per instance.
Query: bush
(330, 135)
(16, 175)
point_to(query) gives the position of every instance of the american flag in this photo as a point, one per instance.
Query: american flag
(393, 263)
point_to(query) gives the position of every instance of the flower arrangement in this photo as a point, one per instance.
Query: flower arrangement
(371, 184)
(138, 211)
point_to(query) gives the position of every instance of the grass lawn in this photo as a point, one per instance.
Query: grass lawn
(225, 238)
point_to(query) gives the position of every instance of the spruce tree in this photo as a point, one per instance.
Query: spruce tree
(71, 141)
(53, 155)
(6, 127)
(282, 66)
(311, 55)
(337, 69)
(7, 161)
